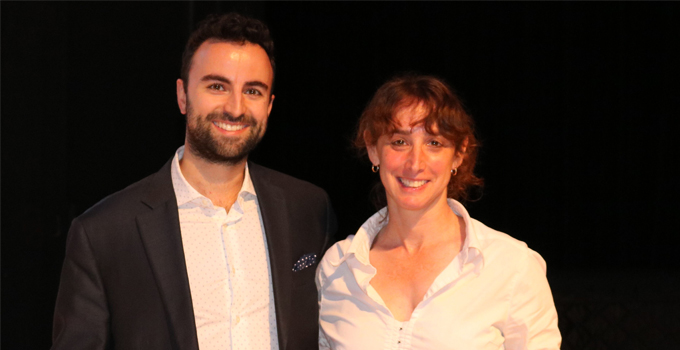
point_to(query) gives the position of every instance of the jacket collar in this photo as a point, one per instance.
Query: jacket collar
(159, 231)
(275, 219)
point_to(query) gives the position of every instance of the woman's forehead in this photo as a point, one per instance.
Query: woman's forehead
(415, 126)
(410, 113)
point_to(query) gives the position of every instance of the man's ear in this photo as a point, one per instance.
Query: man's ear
(271, 104)
(182, 97)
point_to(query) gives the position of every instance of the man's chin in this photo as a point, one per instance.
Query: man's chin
(229, 160)
(222, 149)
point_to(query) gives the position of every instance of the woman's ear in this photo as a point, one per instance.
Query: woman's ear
(463, 146)
(461, 152)
(371, 149)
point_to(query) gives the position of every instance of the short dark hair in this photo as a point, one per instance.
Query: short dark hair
(229, 27)
(444, 110)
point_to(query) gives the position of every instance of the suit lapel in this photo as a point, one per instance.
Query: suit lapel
(275, 218)
(160, 233)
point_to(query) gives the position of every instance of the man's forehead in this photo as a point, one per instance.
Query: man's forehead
(247, 60)
(231, 51)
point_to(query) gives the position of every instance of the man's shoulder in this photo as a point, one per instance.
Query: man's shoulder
(288, 183)
(131, 199)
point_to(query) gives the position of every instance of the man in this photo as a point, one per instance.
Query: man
(212, 251)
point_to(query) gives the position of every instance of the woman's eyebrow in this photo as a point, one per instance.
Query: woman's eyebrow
(402, 131)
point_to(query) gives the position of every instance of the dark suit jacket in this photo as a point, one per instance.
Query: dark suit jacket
(124, 282)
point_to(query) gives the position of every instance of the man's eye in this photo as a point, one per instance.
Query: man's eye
(435, 143)
(218, 87)
(253, 92)
(399, 142)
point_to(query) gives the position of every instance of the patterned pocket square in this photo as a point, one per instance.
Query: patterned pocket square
(304, 262)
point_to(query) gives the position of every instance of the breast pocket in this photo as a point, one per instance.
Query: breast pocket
(305, 277)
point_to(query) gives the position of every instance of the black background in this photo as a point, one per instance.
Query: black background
(576, 106)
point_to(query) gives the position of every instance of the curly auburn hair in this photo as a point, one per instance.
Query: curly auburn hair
(444, 110)
(229, 27)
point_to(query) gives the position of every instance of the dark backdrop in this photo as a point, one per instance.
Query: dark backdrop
(575, 103)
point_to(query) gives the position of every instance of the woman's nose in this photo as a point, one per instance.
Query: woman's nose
(415, 159)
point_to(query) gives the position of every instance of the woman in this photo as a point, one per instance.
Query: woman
(421, 273)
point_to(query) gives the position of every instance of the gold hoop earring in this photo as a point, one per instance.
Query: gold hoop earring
(454, 171)
(375, 168)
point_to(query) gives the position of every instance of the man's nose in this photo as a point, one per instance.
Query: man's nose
(235, 105)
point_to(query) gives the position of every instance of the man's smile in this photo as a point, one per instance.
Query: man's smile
(229, 127)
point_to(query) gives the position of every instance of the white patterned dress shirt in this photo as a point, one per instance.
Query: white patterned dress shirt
(493, 295)
(228, 267)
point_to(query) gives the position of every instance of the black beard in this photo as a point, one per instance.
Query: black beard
(224, 150)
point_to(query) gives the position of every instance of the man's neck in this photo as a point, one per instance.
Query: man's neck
(219, 182)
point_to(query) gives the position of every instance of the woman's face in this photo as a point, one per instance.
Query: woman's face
(415, 166)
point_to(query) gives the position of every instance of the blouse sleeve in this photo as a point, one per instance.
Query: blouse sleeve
(320, 280)
(323, 342)
(532, 318)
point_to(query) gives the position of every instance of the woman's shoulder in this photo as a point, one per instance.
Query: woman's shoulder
(488, 235)
(337, 251)
(334, 256)
(497, 245)
(490, 241)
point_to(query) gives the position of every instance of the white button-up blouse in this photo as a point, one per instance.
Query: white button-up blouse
(493, 295)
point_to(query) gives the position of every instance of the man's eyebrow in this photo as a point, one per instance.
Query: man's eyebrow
(220, 78)
(257, 83)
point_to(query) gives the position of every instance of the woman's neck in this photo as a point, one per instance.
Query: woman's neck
(414, 230)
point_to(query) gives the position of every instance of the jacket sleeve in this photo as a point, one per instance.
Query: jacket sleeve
(331, 226)
(532, 318)
(81, 316)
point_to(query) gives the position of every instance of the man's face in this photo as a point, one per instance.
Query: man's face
(227, 101)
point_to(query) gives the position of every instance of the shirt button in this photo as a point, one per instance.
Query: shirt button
(237, 319)
(233, 271)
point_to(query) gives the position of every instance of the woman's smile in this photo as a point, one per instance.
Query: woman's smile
(412, 183)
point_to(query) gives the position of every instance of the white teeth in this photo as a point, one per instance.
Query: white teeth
(229, 127)
(412, 184)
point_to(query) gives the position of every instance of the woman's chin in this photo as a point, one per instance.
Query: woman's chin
(414, 204)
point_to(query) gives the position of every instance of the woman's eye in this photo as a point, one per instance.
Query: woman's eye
(435, 143)
(399, 142)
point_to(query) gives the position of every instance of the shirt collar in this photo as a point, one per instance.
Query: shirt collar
(185, 193)
(472, 247)
(363, 239)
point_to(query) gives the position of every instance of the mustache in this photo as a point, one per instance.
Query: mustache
(226, 116)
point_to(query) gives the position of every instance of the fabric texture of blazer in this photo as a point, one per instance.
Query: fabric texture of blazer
(124, 282)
